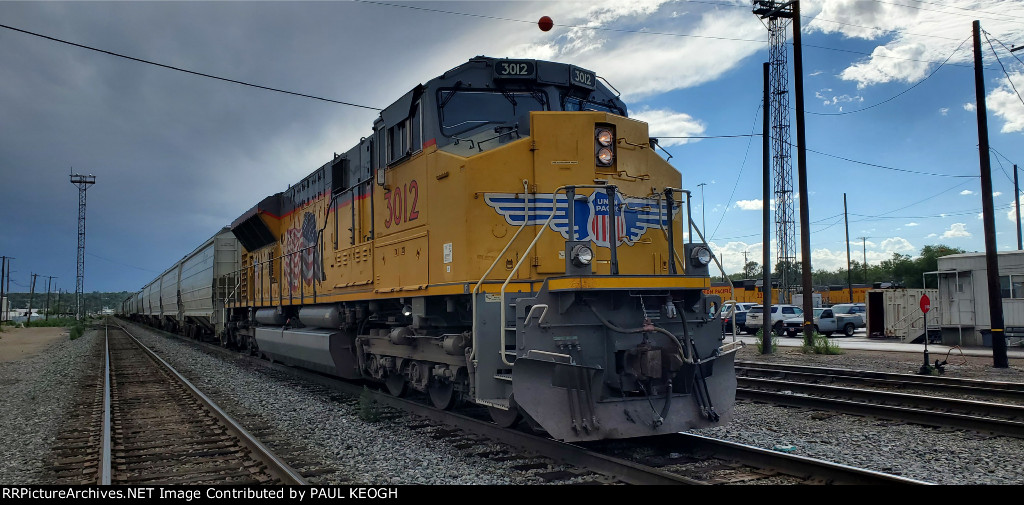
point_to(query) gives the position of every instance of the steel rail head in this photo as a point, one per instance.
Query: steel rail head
(104, 476)
(288, 475)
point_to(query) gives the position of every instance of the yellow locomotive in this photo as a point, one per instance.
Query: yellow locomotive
(508, 237)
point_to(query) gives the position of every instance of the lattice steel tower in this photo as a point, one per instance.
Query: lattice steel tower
(778, 16)
(82, 182)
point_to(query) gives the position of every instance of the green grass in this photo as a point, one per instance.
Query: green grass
(52, 322)
(821, 345)
(77, 331)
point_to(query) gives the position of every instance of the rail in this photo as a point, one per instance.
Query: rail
(104, 478)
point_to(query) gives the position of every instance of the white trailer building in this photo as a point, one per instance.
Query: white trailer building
(963, 302)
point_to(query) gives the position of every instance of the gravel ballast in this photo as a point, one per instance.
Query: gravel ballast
(940, 455)
(36, 393)
(329, 435)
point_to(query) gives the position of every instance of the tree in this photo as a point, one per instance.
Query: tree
(752, 270)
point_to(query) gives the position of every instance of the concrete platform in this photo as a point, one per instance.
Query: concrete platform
(861, 341)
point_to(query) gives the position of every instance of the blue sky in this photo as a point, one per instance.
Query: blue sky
(178, 156)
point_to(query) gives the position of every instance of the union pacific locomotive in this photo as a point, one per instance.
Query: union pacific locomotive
(507, 236)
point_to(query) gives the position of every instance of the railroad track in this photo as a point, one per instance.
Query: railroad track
(936, 384)
(793, 386)
(690, 459)
(156, 428)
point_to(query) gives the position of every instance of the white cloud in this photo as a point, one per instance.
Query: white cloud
(969, 106)
(932, 235)
(996, 193)
(911, 224)
(956, 230)
(981, 215)
(669, 123)
(897, 244)
(944, 111)
(967, 192)
(750, 204)
(910, 46)
(1004, 102)
(668, 63)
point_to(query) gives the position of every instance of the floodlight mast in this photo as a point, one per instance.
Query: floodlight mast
(82, 182)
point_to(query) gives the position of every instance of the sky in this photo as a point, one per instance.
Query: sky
(888, 84)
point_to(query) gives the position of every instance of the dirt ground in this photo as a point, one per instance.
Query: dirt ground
(20, 343)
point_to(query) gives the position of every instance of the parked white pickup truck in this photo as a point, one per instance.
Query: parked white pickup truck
(838, 318)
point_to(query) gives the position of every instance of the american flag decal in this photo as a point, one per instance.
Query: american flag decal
(303, 262)
(633, 216)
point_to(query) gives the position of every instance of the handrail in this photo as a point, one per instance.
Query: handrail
(526, 253)
(476, 288)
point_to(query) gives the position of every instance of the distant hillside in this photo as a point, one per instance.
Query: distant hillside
(94, 302)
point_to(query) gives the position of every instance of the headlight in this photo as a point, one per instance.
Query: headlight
(605, 156)
(605, 137)
(582, 255)
(701, 256)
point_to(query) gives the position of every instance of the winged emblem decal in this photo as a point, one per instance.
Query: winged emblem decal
(634, 216)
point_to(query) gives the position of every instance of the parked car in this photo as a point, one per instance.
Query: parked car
(755, 317)
(739, 318)
(856, 312)
(826, 322)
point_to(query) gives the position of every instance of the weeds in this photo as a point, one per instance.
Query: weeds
(54, 322)
(77, 330)
(369, 411)
(822, 345)
(760, 340)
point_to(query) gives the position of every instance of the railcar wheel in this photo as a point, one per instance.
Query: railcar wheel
(442, 394)
(396, 385)
(505, 418)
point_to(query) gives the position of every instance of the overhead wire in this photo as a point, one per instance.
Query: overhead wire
(187, 71)
(1003, 67)
(746, 153)
(901, 93)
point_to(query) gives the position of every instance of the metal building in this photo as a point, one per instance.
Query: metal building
(963, 302)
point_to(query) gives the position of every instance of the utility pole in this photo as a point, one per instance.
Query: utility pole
(995, 295)
(864, 244)
(849, 276)
(58, 302)
(766, 272)
(9, 286)
(1016, 199)
(31, 294)
(49, 279)
(3, 293)
(82, 182)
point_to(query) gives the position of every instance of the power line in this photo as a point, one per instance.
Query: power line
(973, 12)
(901, 93)
(170, 67)
(743, 164)
(1002, 67)
(889, 168)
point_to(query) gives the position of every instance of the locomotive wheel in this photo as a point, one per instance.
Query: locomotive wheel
(396, 385)
(442, 395)
(505, 418)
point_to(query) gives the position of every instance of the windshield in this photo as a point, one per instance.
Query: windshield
(817, 312)
(573, 103)
(463, 110)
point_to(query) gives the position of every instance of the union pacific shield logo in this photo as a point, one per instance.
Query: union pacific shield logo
(634, 216)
